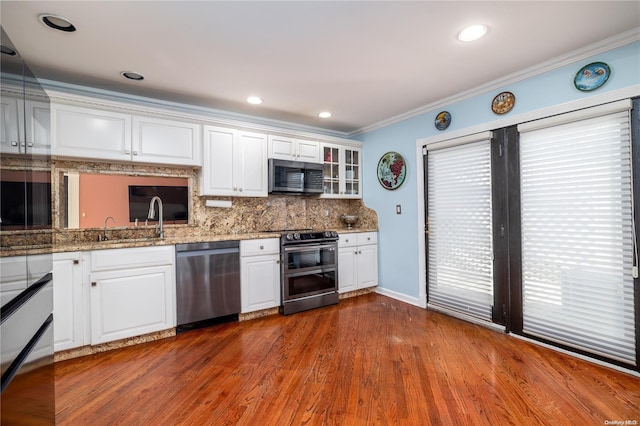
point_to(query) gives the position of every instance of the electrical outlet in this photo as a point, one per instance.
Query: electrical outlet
(398, 209)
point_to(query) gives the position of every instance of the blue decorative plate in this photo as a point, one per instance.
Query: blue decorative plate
(592, 76)
(443, 119)
(392, 169)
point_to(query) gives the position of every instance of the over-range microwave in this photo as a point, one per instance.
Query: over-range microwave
(295, 177)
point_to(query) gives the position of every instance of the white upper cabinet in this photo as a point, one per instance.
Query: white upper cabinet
(234, 163)
(342, 171)
(90, 133)
(9, 141)
(165, 141)
(108, 135)
(286, 148)
(34, 137)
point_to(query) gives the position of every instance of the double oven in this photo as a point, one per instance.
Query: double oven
(309, 270)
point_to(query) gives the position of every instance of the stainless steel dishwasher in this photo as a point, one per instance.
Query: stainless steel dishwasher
(207, 283)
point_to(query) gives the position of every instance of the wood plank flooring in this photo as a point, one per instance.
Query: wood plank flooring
(370, 360)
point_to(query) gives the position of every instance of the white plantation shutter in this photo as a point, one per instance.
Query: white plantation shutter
(460, 250)
(577, 240)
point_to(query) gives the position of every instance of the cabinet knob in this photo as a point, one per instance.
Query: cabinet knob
(135, 152)
(240, 189)
(126, 151)
(346, 241)
(93, 284)
(14, 143)
(261, 247)
(30, 144)
(76, 262)
(368, 238)
(360, 252)
(277, 262)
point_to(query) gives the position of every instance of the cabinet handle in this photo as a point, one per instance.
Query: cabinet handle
(93, 284)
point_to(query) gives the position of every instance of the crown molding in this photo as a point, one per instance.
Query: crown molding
(597, 48)
(100, 98)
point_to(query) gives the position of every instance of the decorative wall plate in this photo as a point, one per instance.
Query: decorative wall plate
(591, 76)
(503, 102)
(392, 169)
(442, 121)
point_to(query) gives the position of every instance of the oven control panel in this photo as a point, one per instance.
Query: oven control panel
(319, 236)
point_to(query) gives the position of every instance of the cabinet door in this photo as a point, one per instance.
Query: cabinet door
(38, 127)
(367, 259)
(347, 273)
(68, 311)
(90, 133)
(260, 282)
(164, 141)
(216, 177)
(351, 182)
(251, 174)
(131, 303)
(9, 133)
(282, 147)
(308, 151)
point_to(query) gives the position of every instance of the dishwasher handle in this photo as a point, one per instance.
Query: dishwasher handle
(214, 245)
(211, 252)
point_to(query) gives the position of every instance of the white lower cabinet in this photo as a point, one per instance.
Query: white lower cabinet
(68, 306)
(260, 274)
(135, 299)
(357, 261)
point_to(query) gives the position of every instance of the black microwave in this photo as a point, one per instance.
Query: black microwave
(295, 177)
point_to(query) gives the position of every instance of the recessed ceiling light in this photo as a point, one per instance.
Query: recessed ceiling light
(57, 22)
(324, 114)
(7, 50)
(132, 75)
(474, 32)
(255, 100)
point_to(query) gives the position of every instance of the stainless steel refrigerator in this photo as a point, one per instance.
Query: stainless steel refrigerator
(26, 284)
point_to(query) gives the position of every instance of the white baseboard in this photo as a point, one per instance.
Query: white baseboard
(399, 296)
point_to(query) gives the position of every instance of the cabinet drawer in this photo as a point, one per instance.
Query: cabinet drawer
(367, 238)
(127, 258)
(348, 240)
(259, 247)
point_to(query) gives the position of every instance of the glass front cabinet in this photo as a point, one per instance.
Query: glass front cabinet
(342, 171)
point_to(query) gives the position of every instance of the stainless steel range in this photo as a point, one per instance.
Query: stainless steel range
(309, 270)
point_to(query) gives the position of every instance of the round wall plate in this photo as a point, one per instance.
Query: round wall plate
(442, 121)
(392, 170)
(503, 103)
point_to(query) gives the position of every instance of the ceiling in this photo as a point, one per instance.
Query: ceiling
(362, 61)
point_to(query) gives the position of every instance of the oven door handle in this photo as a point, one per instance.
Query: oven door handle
(309, 247)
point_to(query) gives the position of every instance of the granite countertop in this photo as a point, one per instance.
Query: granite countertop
(69, 246)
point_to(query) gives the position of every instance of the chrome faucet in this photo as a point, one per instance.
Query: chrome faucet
(152, 213)
(105, 237)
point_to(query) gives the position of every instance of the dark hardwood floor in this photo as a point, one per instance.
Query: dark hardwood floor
(370, 360)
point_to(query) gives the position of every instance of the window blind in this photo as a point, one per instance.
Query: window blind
(577, 239)
(460, 251)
